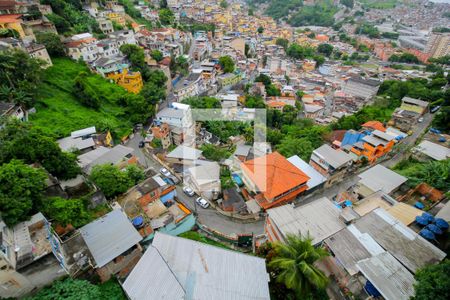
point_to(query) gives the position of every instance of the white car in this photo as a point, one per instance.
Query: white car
(165, 172)
(420, 120)
(202, 202)
(188, 191)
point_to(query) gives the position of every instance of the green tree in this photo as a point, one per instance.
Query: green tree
(20, 140)
(215, 153)
(299, 52)
(348, 3)
(282, 42)
(52, 42)
(135, 173)
(264, 79)
(61, 24)
(85, 92)
(111, 180)
(325, 49)
(69, 289)
(66, 211)
(223, 4)
(135, 54)
(157, 55)
(433, 282)
(260, 29)
(21, 75)
(202, 102)
(166, 16)
(272, 90)
(290, 146)
(251, 12)
(21, 189)
(293, 264)
(227, 64)
(254, 102)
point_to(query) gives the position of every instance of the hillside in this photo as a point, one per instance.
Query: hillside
(296, 13)
(58, 110)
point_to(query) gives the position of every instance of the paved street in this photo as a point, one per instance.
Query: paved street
(211, 218)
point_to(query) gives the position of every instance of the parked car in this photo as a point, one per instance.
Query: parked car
(188, 191)
(174, 179)
(420, 120)
(141, 144)
(165, 172)
(202, 202)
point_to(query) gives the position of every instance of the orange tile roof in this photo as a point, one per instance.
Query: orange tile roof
(10, 18)
(281, 176)
(274, 103)
(374, 125)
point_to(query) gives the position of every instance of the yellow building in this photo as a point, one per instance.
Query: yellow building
(12, 22)
(131, 81)
(118, 18)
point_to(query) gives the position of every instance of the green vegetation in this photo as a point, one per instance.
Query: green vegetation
(297, 14)
(66, 211)
(224, 129)
(348, 3)
(404, 58)
(69, 18)
(325, 49)
(227, 64)
(226, 181)
(166, 16)
(113, 181)
(441, 29)
(379, 4)
(59, 111)
(157, 55)
(52, 43)
(390, 35)
(223, 4)
(443, 60)
(215, 153)
(21, 140)
(433, 282)
(21, 189)
(72, 289)
(195, 236)
(271, 89)
(435, 173)
(292, 269)
(282, 42)
(368, 29)
(202, 102)
(20, 77)
(134, 13)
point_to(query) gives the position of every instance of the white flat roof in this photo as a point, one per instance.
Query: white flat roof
(315, 178)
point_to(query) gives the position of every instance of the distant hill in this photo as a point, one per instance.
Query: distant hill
(298, 12)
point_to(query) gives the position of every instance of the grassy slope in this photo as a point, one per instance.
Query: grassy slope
(59, 112)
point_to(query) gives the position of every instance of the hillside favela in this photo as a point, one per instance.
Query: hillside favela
(225, 149)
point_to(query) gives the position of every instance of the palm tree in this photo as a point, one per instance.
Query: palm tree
(293, 262)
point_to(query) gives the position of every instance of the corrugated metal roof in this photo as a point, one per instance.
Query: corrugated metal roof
(433, 150)
(201, 270)
(381, 178)
(109, 236)
(333, 157)
(404, 244)
(142, 283)
(319, 218)
(390, 278)
(83, 132)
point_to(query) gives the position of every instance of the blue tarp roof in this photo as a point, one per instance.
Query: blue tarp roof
(434, 229)
(427, 234)
(351, 137)
(441, 223)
